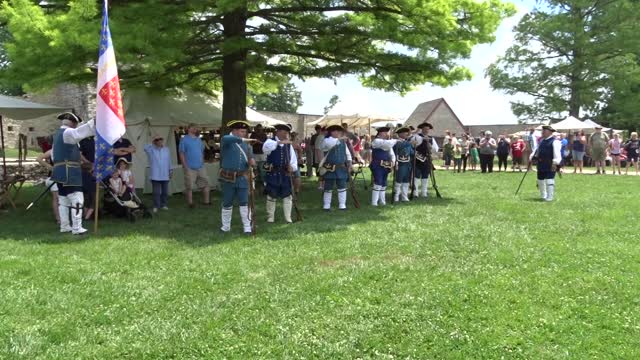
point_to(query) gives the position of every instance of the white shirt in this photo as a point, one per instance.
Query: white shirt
(386, 145)
(557, 147)
(419, 139)
(270, 145)
(330, 142)
(74, 136)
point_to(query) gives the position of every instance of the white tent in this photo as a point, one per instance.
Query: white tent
(150, 113)
(570, 123)
(18, 109)
(594, 125)
(354, 120)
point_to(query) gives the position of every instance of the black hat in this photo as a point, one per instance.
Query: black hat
(548, 127)
(238, 124)
(424, 125)
(69, 116)
(333, 128)
(403, 130)
(383, 129)
(283, 127)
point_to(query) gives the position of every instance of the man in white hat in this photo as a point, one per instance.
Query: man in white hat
(67, 173)
(549, 157)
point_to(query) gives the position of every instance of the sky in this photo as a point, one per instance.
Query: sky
(473, 101)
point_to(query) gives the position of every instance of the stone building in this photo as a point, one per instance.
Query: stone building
(80, 98)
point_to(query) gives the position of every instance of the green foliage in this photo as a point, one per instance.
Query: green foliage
(390, 45)
(333, 101)
(285, 98)
(569, 56)
(480, 274)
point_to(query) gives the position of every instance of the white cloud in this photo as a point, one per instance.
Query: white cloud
(473, 101)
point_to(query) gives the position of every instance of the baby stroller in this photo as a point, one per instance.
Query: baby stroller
(132, 208)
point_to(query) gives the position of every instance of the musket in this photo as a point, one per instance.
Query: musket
(41, 195)
(252, 203)
(294, 197)
(393, 191)
(525, 175)
(354, 196)
(413, 176)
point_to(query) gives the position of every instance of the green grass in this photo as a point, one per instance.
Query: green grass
(478, 274)
(13, 153)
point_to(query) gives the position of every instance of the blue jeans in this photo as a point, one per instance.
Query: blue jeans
(160, 193)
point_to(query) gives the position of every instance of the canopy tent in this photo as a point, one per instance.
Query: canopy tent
(594, 125)
(18, 109)
(570, 123)
(150, 113)
(354, 121)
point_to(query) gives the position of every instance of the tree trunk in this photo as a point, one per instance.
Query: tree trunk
(234, 73)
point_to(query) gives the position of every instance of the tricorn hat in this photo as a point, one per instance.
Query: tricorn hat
(284, 127)
(403, 130)
(69, 116)
(383, 129)
(548, 127)
(238, 124)
(424, 125)
(333, 128)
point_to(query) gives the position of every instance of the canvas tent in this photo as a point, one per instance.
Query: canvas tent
(18, 109)
(150, 113)
(571, 123)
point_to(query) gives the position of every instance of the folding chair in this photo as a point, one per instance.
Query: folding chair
(10, 189)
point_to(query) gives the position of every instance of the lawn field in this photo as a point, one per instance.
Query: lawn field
(480, 274)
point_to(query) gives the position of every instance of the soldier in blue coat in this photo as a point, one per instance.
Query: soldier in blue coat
(237, 160)
(549, 157)
(67, 173)
(335, 167)
(425, 145)
(404, 156)
(382, 160)
(280, 166)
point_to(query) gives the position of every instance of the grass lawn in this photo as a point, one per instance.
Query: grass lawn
(479, 274)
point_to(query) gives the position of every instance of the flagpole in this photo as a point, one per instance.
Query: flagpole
(96, 208)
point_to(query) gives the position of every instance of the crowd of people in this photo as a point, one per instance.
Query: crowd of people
(278, 155)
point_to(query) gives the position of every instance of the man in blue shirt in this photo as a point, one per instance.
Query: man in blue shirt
(192, 159)
(160, 166)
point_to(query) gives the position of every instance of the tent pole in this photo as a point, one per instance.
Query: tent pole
(4, 150)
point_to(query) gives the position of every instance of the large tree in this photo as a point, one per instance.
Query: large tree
(284, 98)
(568, 56)
(390, 44)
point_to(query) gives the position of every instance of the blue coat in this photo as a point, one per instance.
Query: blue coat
(235, 155)
(277, 177)
(66, 161)
(337, 156)
(404, 155)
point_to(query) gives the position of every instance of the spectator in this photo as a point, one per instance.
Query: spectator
(357, 149)
(457, 156)
(352, 139)
(317, 140)
(192, 159)
(447, 151)
(126, 175)
(598, 146)
(297, 147)
(123, 149)
(503, 152)
(87, 157)
(530, 144)
(615, 147)
(366, 149)
(487, 152)
(260, 136)
(578, 146)
(464, 149)
(566, 154)
(517, 151)
(45, 160)
(632, 147)
(473, 155)
(160, 172)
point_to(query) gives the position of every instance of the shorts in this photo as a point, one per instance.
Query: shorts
(578, 155)
(598, 154)
(296, 174)
(447, 159)
(517, 160)
(633, 157)
(199, 176)
(54, 187)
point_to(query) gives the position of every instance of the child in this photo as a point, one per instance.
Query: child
(457, 157)
(121, 190)
(475, 157)
(447, 153)
(125, 174)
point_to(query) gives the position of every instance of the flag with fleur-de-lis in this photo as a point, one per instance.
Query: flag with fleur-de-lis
(110, 123)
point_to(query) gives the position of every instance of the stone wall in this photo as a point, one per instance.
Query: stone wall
(80, 98)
